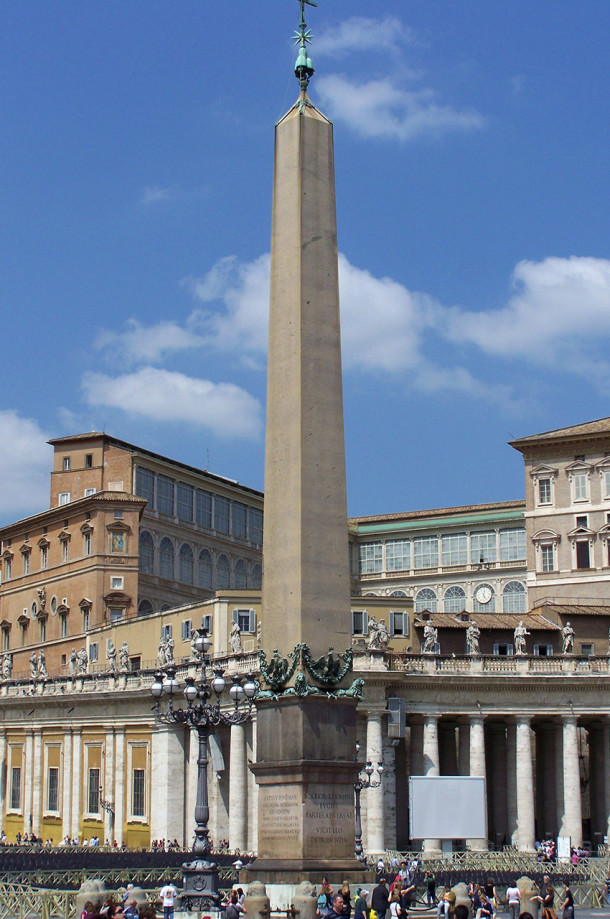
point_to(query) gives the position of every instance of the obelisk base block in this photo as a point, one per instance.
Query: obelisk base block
(305, 771)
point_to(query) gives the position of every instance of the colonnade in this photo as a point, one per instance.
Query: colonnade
(545, 775)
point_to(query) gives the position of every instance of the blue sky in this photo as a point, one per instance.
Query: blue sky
(471, 143)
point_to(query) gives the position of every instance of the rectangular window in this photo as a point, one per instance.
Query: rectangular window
(544, 491)
(53, 789)
(93, 652)
(184, 501)
(239, 520)
(165, 495)
(359, 622)
(66, 463)
(90, 491)
(206, 624)
(483, 547)
(582, 555)
(222, 511)
(145, 485)
(587, 649)
(116, 582)
(88, 460)
(246, 619)
(370, 557)
(116, 614)
(64, 626)
(6, 639)
(43, 630)
(543, 650)
(582, 521)
(26, 562)
(8, 568)
(397, 555)
(399, 624)
(87, 543)
(86, 612)
(64, 497)
(137, 796)
(166, 632)
(44, 557)
(16, 788)
(93, 801)
(580, 486)
(65, 551)
(203, 508)
(512, 545)
(186, 629)
(425, 552)
(454, 549)
(256, 526)
(502, 649)
(547, 554)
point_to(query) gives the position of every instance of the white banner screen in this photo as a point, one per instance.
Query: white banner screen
(447, 807)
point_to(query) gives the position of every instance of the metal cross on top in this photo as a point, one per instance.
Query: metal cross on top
(304, 66)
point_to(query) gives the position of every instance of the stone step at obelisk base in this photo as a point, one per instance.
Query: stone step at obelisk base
(306, 714)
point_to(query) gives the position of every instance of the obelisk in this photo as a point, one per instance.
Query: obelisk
(305, 735)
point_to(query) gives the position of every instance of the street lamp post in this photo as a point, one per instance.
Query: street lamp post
(200, 876)
(363, 782)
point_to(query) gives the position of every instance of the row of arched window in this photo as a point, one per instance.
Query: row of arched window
(514, 599)
(201, 570)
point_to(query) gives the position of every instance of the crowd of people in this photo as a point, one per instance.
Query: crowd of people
(394, 896)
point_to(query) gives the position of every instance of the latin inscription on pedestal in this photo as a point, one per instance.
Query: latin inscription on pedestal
(311, 822)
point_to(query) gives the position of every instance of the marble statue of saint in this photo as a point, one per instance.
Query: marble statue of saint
(33, 665)
(473, 634)
(519, 637)
(372, 633)
(169, 651)
(73, 662)
(568, 639)
(430, 639)
(83, 660)
(383, 636)
(43, 673)
(195, 654)
(111, 657)
(124, 656)
(235, 638)
(7, 666)
(42, 596)
(162, 655)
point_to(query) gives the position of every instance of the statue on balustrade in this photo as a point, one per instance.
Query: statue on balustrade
(124, 656)
(73, 662)
(83, 660)
(568, 639)
(111, 657)
(33, 665)
(43, 673)
(473, 634)
(520, 634)
(7, 667)
(235, 638)
(430, 639)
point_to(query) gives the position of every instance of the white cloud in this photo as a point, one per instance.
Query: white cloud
(154, 193)
(25, 463)
(560, 308)
(381, 108)
(146, 344)
(224, 408)
(360, 33)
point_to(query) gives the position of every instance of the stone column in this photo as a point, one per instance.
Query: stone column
(525, 786)
(511, 782)
(38, 780)
(28, 813)
(431, 766)
(67, 780)
(238, 789)
(546, 806)
(119, 785)
(559, 775)
(167, 778)
(477, 765)
(252, 791)
(3, 770)
(108, 786)
(77, 782)
(572, 804)
(606, 753)
(375, 830)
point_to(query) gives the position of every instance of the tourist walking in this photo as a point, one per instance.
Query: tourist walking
(513, 898)
(380, 898)
(395, 910)
(168, 894)
(430, 889)
(567, 907)
(360, 908)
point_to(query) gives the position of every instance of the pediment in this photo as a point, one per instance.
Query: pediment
(543, 470)
(578, 466)
(546, 534)
(582, 532)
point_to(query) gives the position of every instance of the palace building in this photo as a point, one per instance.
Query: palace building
(137, 549)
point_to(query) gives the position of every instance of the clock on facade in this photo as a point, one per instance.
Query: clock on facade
(483, 594)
